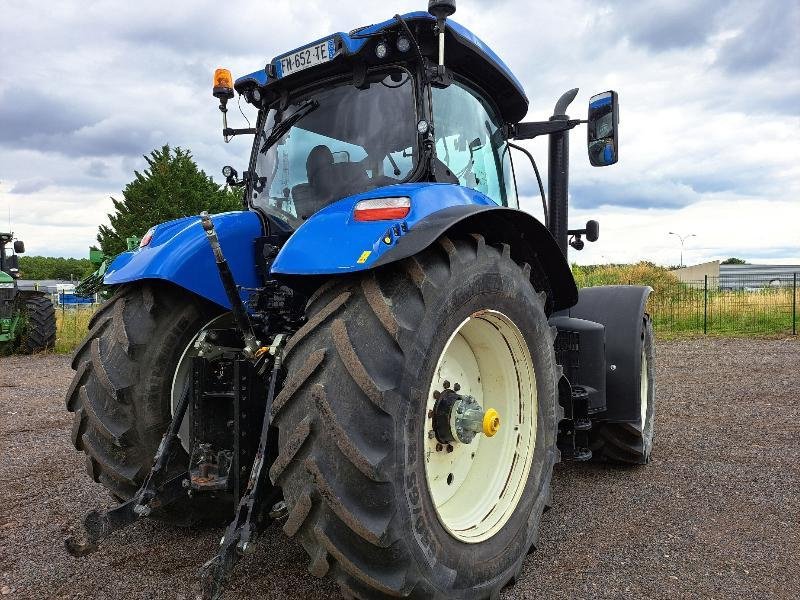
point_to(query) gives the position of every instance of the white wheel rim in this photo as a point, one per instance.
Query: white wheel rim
(644, 390)
(182, 372)
(476, 487)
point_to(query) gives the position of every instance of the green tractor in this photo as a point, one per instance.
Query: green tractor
(27, 318)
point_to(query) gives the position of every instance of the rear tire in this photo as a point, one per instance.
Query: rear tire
(121, 391)
(39, 333)
(632, 443)
(352, 420)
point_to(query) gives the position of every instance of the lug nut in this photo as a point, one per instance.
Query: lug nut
(436, 395)
(439, 447)
(430, 414)
(446, 384)
(431, 434)
(456, 387)
(449, 448)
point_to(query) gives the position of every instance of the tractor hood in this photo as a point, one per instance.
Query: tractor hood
(340, 53)
(6, 279)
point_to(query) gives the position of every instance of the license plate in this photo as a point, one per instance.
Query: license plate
(306, 58)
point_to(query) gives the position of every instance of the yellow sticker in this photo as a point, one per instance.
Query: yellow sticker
(364, 256)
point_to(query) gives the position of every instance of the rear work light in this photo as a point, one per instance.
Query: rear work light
(382, 209)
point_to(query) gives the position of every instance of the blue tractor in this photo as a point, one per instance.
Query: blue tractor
(381, 351)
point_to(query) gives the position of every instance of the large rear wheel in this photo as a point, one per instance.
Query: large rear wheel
(399, 478)
(121, 394)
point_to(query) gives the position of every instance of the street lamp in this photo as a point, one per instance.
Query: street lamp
(682, 238)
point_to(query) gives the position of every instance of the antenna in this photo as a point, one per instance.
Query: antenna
(441, 9)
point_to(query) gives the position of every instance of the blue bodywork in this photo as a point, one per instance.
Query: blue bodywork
(328, 243)
(354, 44)
(179, 252)
(332, 241)
(506, 89)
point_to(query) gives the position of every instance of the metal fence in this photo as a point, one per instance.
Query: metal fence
(726, 305)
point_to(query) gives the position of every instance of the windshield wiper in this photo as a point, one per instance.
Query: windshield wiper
(280, 128)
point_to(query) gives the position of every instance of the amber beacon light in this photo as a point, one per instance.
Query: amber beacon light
(223, 84)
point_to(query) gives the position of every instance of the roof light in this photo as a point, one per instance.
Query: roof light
(403, 44)
(382, 209)
(381, 50)
(223, 84)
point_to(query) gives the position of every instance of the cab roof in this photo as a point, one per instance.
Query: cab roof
(466, 55)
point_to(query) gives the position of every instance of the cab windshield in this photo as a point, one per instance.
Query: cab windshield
(333, 143)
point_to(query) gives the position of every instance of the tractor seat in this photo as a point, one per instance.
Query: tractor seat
(327, 182)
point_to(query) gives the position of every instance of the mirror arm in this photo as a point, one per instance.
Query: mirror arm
(528, 131)
(229, 132)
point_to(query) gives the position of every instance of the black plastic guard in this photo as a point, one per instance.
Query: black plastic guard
(529, 239)
(621, 309)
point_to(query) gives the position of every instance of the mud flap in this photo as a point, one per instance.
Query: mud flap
(621, 309)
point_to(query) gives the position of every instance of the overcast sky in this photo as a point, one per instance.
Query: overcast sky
(709, 95)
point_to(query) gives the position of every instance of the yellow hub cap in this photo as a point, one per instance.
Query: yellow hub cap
(491, 422)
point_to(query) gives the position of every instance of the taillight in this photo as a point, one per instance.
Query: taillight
(382, 209)
(147, 238)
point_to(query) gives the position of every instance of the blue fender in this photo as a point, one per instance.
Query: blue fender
(333, 242)
(179, 253)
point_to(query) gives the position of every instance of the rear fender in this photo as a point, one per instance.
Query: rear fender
(331, 242)
(621, 309)
(179, 252)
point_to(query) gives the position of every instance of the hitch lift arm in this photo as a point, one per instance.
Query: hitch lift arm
(154, 492)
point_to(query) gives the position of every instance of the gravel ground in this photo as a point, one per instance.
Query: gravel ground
(715, 515)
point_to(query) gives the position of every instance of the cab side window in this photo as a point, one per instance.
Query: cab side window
(470, 141)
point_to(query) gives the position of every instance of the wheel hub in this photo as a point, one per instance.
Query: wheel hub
(459, 418)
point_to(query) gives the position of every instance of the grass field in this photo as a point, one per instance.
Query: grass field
(678, 309)
(71, 327)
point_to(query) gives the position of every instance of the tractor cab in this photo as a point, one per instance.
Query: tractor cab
(377, 107)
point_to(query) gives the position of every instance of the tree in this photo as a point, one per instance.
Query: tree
(48, 267)
(169, 188)
(733, 261)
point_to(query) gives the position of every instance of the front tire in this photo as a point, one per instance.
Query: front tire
(121, 391)
(353, 424)
(39, 314)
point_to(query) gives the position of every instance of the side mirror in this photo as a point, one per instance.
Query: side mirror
(592, 231)
(12, 265)
(19, 247)
(602, 129)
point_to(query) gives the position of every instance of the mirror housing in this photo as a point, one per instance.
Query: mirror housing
(19, 247)
(592, 231)
(12, 265)
(602, 129)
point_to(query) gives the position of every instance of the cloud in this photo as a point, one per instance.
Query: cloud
(660, 26)
(769, 35)
(709, 94)
(97, 168)
(31, 113)
(30, 186)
